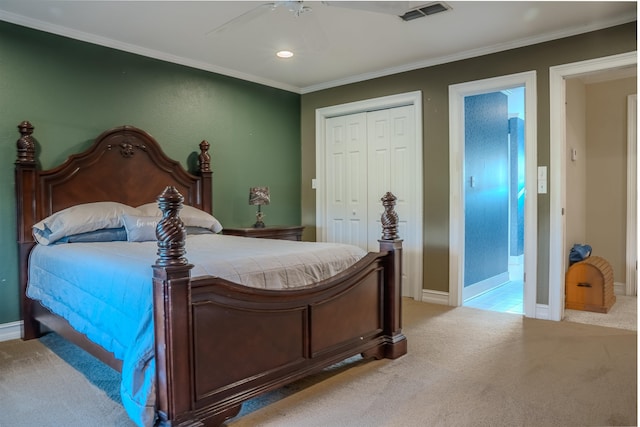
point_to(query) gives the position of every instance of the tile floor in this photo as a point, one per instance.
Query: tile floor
(507, 298)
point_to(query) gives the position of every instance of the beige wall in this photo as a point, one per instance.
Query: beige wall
(434, 83)
(606, 161)
(576, 170)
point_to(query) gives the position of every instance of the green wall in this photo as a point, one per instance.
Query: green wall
(434, 83)
(72, 91)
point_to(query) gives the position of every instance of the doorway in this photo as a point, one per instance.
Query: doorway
(558, 76)
(380, 115)
(468, 248)
(494, 200)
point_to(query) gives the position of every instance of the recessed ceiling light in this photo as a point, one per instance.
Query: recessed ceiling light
(284, 54)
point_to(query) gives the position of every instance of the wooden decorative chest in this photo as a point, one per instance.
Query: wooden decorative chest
(589, 285)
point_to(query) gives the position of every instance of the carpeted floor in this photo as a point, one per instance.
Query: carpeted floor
(465, 367)
(469, 367)
(623, 314)
(51, 382)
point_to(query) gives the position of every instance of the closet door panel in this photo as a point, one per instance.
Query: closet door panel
(346, 179)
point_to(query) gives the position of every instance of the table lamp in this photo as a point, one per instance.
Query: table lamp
(259, 196)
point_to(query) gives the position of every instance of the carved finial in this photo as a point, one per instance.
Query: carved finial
(389, 217)
(170, 230)
(204, 159)
(26, 144)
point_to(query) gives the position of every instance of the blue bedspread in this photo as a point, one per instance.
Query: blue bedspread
(111, 306)
(104, 290)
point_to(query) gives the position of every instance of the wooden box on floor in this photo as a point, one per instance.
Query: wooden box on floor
(589, 285)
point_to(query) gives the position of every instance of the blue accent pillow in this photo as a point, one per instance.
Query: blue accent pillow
(104, 235)
(198, 230)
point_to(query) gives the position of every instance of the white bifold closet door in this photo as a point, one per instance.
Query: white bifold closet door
(368, 154)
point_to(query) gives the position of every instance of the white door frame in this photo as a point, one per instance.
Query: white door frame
(557, 164)
(409, 98)
(456, 182)
(632, 195)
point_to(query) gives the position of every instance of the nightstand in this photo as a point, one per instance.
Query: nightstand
(273, 232)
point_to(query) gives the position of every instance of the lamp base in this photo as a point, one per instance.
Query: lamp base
(259, 216)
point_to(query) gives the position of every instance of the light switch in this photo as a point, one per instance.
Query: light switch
(313, 184)
(542, 172)
(542, 180)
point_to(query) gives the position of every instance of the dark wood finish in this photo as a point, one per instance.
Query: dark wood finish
(60, 325)
(217, 343)
(269, 232)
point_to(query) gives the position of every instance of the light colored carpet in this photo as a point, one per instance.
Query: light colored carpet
(52, 383)
(465, 367)
(623, 314)
(469, 367)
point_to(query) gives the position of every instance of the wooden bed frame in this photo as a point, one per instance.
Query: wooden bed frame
(210, 356)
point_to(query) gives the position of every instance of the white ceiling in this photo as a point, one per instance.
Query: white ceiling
(333, 43)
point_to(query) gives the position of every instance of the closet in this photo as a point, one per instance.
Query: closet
(366, 155)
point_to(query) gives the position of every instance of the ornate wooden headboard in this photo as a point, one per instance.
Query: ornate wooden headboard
(124, 164)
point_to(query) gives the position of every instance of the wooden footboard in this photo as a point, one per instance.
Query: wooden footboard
(219, 343)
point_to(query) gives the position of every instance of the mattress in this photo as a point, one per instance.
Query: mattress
(104, 290)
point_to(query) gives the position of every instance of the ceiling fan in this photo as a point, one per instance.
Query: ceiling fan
(298, 8)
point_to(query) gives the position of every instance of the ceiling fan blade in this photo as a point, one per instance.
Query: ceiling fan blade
(396, 8)
(245, 17)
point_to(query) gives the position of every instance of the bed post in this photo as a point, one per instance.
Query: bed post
(204, 166)
(172, 314)
(26, 177)
(390, 242)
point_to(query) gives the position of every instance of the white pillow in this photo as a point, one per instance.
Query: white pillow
(190, 216)
(81, 219)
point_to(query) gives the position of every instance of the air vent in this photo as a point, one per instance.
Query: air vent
(427, 9)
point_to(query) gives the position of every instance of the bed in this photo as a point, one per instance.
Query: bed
(214, 342)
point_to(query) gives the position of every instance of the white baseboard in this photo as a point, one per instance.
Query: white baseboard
(619, 288)
(10, 331)
(435, 297)
(440, 297)
(485, 285)
(542, 312)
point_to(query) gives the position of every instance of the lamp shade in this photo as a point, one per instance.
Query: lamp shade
(259, 196)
